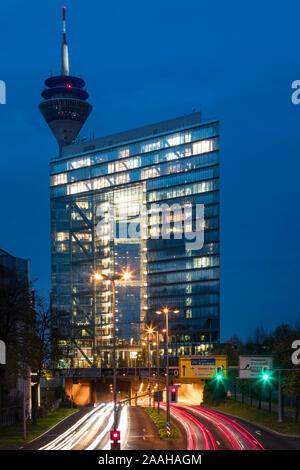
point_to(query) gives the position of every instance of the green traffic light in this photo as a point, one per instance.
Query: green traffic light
(219, 376)
(265, 377)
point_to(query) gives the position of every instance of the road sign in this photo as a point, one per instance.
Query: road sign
(252, 366)
(173, 371)
(202, 367)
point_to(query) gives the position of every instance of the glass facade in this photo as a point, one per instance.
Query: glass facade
(103, 220)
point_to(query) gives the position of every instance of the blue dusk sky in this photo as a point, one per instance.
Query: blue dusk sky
(148, 61)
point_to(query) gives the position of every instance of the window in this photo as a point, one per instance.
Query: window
(150, 146)
(79, 187)
(188, 151)
(124, 153)
(202, 147)
(74, 164)
(188, 313)
(61, 178)
(173, 140)
(150, 172)
(82, 204)
(62, 236)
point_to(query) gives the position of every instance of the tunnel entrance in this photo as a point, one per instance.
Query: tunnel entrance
(191, 394)
(94, 391)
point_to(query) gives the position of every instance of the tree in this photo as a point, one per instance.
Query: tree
(214, 392)
(291, 387)
(17, 330)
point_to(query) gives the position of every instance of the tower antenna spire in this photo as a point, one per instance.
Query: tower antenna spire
(65, 107)
(64, 48)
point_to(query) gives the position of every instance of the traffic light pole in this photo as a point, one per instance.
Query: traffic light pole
(24, 408)
(157, 369)
(114, 353)
(167, 378)
(149, 370)
(135, 383)
(279, 398)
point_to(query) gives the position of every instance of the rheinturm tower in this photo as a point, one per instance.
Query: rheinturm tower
(65, 108)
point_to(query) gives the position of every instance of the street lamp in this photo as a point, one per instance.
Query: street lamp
(149, 330)
(157, 368)
(166, 311)
(123, 276)
(156, 344)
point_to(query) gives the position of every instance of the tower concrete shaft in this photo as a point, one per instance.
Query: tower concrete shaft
(65, 108)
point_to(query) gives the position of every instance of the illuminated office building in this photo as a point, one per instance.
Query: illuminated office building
(116, 179)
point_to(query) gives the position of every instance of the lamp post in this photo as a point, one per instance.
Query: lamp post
(166, 311)
(124, 276)
(149, 331)
(157, 368)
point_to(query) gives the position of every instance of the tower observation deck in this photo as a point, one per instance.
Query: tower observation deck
(65, 108)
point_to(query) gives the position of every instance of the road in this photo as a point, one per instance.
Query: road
(200, 429)
(211, 430)
(89, 431)
(141, 433)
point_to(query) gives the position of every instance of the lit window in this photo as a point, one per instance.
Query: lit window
(202, 147)
(74, 164)
(173, 140)
(62, 178)
(188, 313)
(150, 146)
(62, 247)
(124, 178)
(82, 204)
(62, 236)
(124, 153)
(171, 156)
(150, 173)
(84, 236)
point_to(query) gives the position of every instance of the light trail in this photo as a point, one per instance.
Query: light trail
(123, 428)
(72, 436)
(236, 436)
(212, 440)
(248, 437)
(197, 423)
(105, 431)
(232, 439)
(192, 439)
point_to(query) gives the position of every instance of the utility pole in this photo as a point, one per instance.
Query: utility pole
(114, 352)
(124, 276)
(135, 382)
(279, 398)
(24, 406)
(166, 311)
(149, 369)
(157, 368)
(167, 360)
